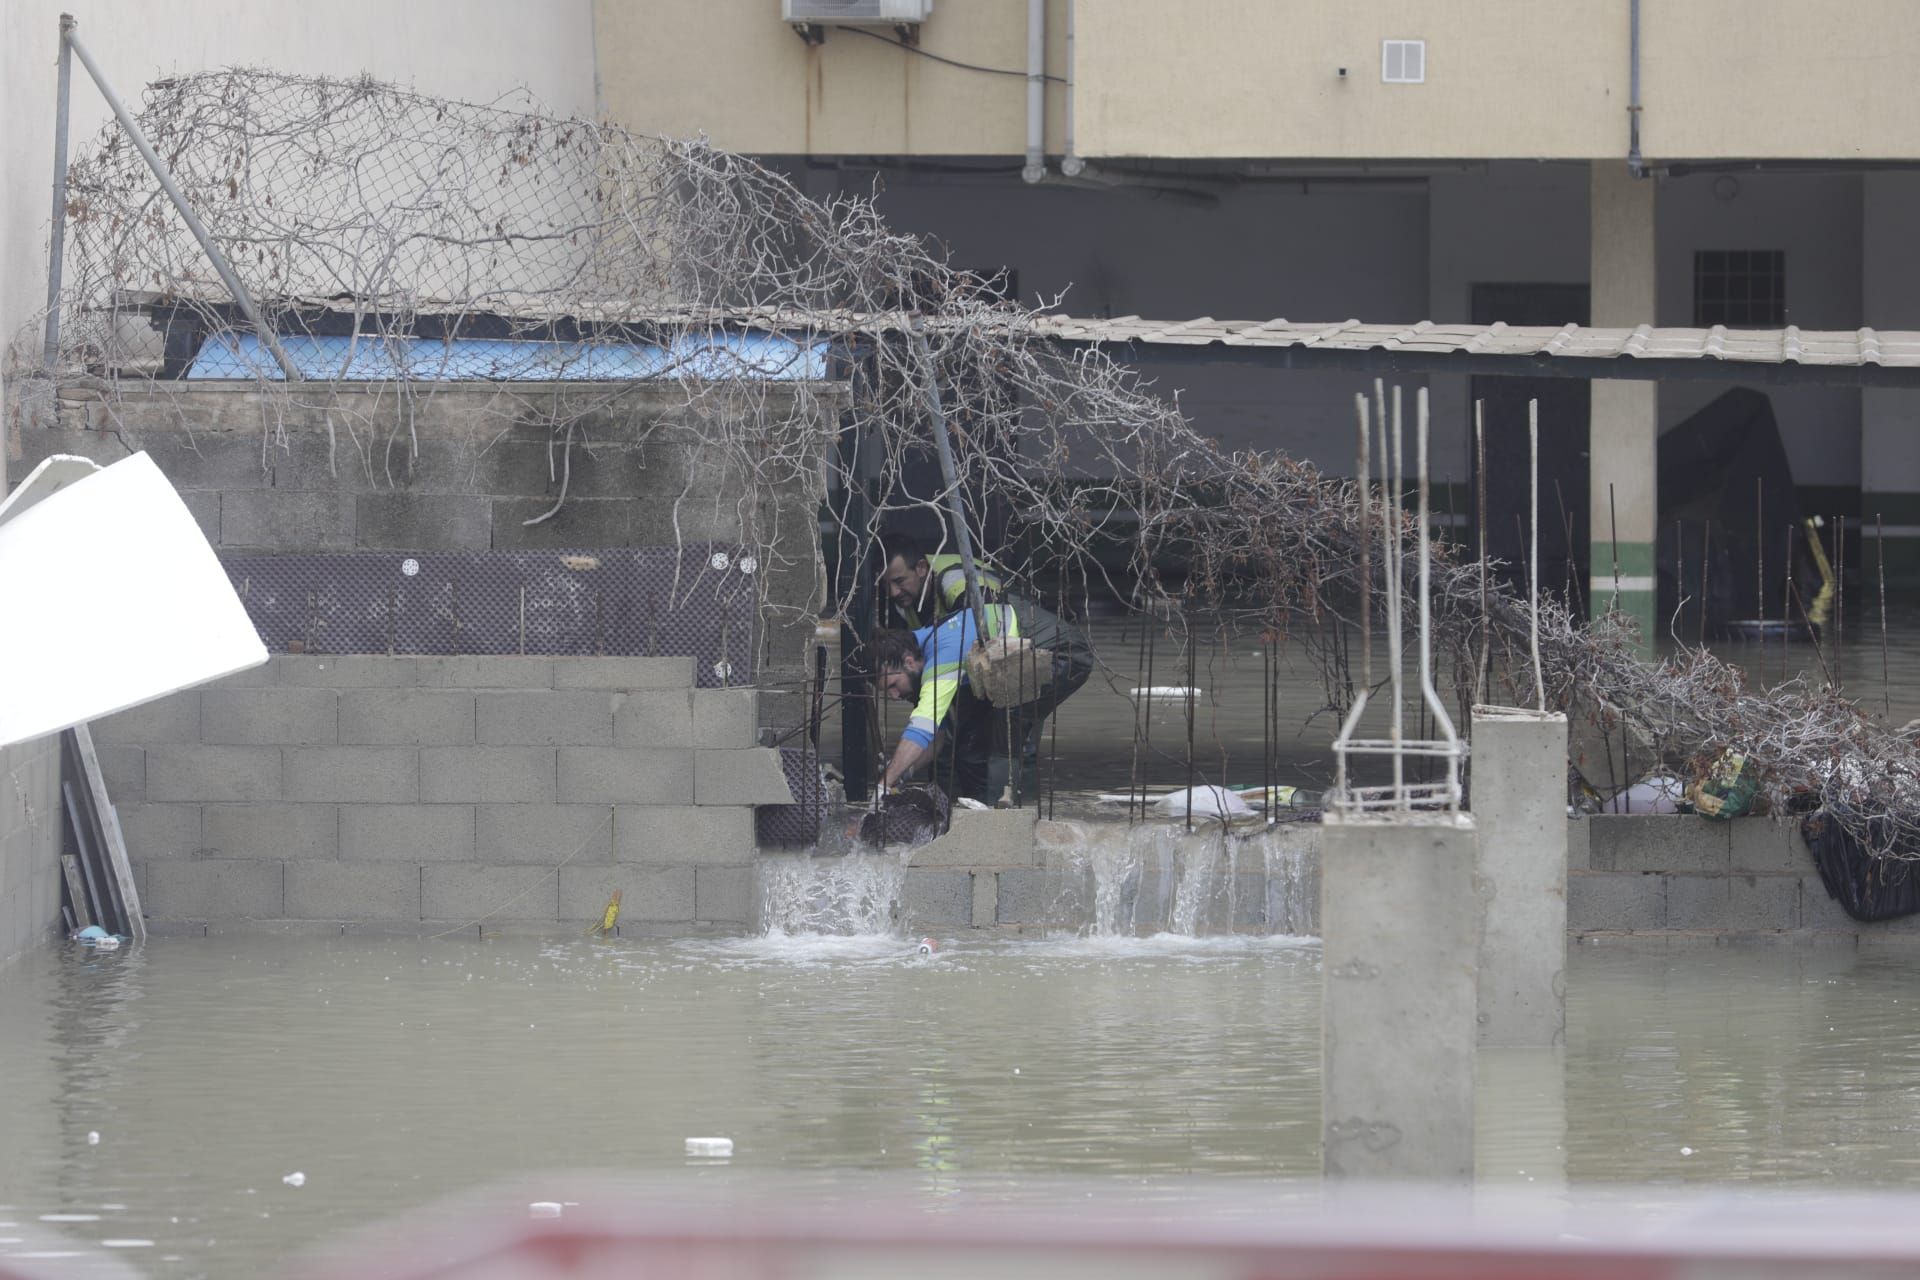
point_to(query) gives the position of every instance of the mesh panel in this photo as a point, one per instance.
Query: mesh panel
(696, 600)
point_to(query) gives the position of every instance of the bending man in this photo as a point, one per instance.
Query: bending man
(983, 742)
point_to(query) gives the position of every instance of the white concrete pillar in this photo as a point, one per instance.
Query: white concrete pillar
(1625, 436)
(1520, 819)
(1890, 417)
(1400, 929)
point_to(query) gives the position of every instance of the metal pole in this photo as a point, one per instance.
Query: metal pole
(1533, 582)
(57, 246)
(949, 476)
(187, 215)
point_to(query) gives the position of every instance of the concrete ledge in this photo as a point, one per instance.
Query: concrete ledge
(982, 838)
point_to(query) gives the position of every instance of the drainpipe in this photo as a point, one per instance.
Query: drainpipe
(1036, 166)
(1634, 164)
(1070, 164)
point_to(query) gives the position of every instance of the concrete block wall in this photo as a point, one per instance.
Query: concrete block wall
(338, 471)
(30, 839)
(428, 793)
(1653, 876)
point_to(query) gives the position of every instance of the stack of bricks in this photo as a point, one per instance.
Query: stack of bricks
(434, 793)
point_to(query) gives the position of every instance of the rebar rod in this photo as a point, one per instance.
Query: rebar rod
(1480, 485)
(57, 243)
(1533, 572)
(1880, 564)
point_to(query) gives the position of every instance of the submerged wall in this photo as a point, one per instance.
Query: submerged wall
(423, 794)
(30, 835)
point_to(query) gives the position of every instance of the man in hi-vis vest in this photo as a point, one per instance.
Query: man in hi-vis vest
(926, 589)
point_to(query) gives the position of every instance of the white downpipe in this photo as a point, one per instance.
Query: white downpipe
(1070, 162)
(1035, 169)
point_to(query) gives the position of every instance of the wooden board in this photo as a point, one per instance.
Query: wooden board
(109, 820)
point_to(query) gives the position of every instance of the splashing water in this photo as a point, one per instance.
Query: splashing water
(855, 894)
(1158, 878)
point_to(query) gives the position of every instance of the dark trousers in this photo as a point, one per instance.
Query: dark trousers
(991, 751)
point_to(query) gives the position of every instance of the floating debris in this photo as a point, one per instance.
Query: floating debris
(714, 1148)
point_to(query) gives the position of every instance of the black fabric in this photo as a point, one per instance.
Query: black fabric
(1868, 888)
(910, 815)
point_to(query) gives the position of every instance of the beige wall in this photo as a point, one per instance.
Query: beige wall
(1258, 78)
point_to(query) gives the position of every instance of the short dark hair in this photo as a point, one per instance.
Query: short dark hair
(891, 649)
(904, 545)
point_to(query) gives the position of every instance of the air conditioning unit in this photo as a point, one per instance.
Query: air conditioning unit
(856, 13)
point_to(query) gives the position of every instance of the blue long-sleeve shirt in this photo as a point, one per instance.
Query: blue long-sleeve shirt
(943, 652)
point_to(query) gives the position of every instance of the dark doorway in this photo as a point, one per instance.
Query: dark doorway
(1564, 423)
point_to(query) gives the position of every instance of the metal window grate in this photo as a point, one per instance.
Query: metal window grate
(1743, 287)
(1403, 61)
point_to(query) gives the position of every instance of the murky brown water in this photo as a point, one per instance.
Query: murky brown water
(393, 1072)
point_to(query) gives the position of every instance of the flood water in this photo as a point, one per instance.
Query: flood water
(393, 1072)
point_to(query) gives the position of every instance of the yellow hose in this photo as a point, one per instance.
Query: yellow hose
(1823, 602)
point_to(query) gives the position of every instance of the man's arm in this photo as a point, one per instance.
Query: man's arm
(907, 755)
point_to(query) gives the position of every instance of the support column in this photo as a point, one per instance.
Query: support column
(1400, 928)
(1520, 815)
(1625, 437)
(1890, 416)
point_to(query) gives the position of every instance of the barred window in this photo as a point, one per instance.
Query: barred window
(1740, 287)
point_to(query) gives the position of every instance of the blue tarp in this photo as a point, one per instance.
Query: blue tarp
(714, 356)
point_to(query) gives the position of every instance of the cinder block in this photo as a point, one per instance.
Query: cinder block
(1616, 902)
(623, 673)
(204, 506)
(406, 833)
(463, 891)
(654, 718)
(352, 891)
(1025, 895)
(1736, 903)
(487, 775)
(160, 830)
(1657, 842)
(726, 718)
(934, 898)
(625, 775)
(232, 774)
(280, 520)
(174, 718)
(646, 893)
(270, 717)
(343, 671)
(681, 833)
(293, 831)
(1760, 844)
(530, 833)
(406, 717)
(213, 889)
(750, 775)
(509, 671)
(124, 770)
(1579, 854)
(724, 893)
(1818, 910)
(986, 899)
(982, 838)
(413, 521)
(547, 717)
(582, 522)
(353, 775)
